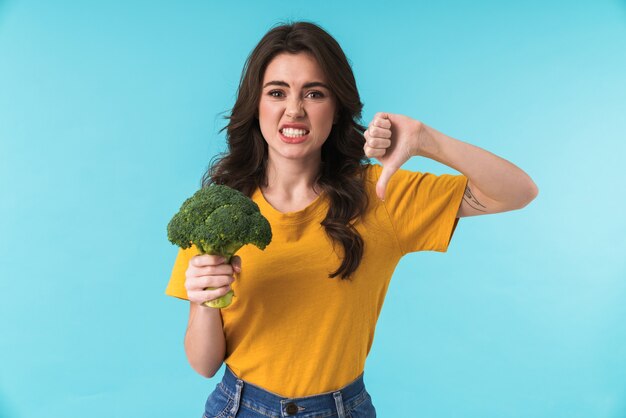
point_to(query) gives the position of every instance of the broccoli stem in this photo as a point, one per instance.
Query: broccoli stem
(226, 252)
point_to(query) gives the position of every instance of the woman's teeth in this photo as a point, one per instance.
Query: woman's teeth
(293, 133)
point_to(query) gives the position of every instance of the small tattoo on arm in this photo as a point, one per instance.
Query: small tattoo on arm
(472, 201)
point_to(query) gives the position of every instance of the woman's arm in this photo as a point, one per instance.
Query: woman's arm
(205, 344)
(494, 184)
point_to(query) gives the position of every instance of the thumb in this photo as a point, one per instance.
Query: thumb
(381, 185)
(236, 263)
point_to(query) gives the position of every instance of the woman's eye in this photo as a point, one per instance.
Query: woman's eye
(312, 94)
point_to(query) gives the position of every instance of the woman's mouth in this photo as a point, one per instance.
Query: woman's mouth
(293, 136)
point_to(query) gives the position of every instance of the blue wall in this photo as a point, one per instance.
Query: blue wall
(110, 112)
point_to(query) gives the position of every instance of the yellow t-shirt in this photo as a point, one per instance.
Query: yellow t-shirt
(294, 331)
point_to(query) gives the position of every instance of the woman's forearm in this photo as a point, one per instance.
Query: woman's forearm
(496, 177)
(205, 344)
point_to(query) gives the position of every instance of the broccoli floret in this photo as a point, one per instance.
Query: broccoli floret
(219, 220)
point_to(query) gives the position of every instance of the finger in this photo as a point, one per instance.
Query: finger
(383, 123)
(381, 185)
(236, 263)
(382, 143)
(381, 120)
(215, 270)
(209, 270)
(209, 294)
(374, 152)
(373, 139)
(194, 284)
(376, 132)
(381, 116)
(216, 292)
(375, 147)
(207, 260)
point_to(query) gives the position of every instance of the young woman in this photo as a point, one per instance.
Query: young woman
(297, 334)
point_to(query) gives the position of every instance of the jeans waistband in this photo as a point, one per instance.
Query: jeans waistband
(268, 402)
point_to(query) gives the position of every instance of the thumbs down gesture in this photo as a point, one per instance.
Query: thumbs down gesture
(392, 139)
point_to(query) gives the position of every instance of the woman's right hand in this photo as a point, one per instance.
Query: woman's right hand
(209, 277)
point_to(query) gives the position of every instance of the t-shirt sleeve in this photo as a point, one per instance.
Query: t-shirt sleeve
(176, 285)
(422, 208)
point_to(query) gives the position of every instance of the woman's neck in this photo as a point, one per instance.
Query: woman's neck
(292, 179)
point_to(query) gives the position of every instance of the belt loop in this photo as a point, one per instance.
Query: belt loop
(235, 408)
(339, 405)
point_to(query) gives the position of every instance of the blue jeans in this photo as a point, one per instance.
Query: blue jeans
(234, 397)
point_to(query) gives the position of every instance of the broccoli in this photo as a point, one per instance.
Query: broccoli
(219, 220)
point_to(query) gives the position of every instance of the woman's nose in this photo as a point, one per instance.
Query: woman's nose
(295, 108)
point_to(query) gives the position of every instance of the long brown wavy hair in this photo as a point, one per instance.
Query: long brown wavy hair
(341, 175)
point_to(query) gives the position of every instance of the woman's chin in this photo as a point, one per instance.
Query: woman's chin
(296, 155)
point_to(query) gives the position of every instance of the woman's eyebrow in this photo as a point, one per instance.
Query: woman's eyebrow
(306, 85)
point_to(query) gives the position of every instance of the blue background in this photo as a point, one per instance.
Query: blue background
(109, 115)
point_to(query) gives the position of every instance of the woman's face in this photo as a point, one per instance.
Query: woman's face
(296, 109)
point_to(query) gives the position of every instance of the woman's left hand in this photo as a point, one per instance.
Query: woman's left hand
(392, 139)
